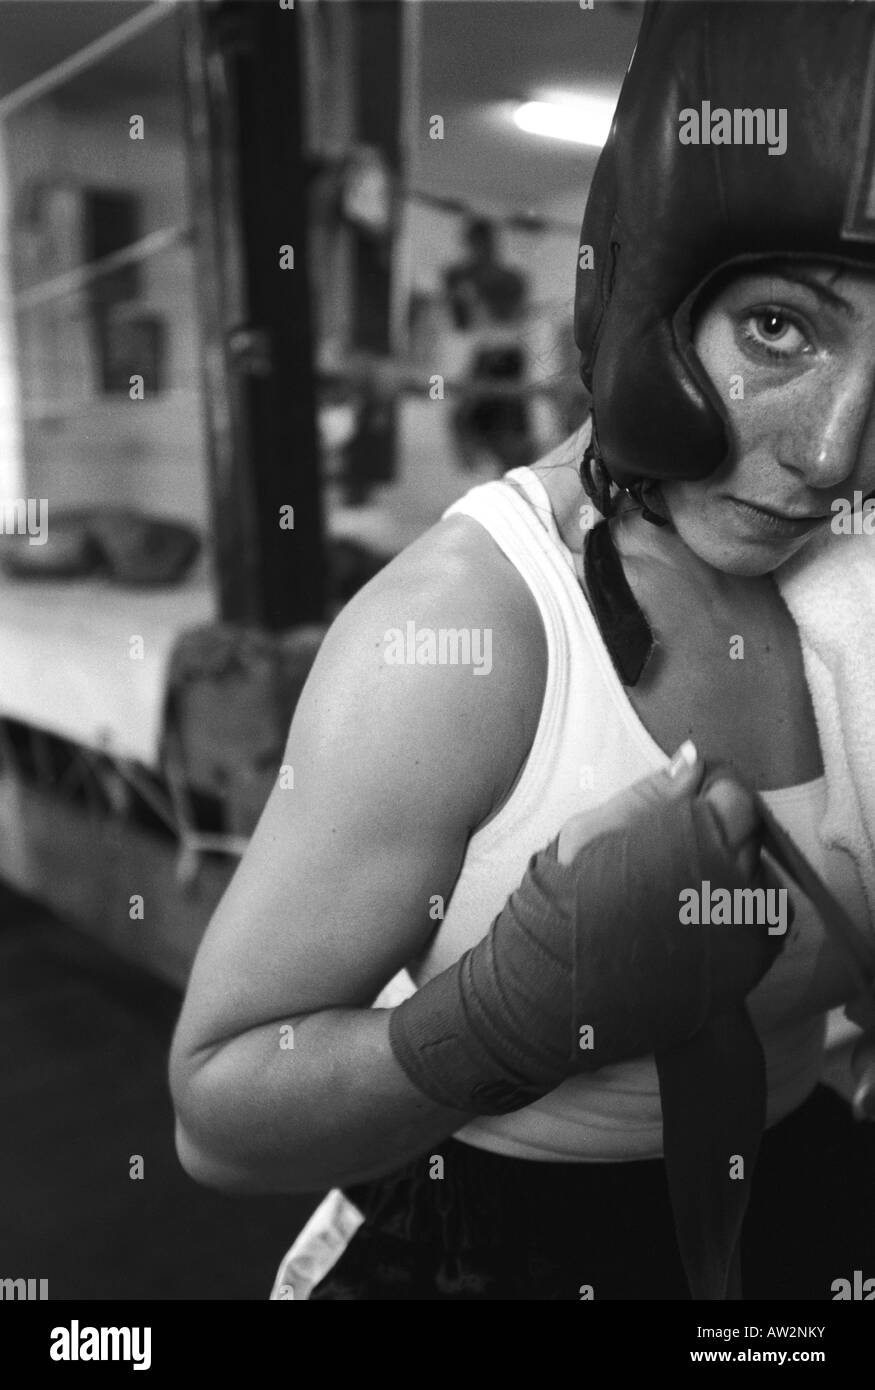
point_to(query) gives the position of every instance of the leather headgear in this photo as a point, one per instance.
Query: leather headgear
(662, 217)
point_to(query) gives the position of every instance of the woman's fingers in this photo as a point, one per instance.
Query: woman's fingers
(735, 815)
(673, 783)
(731, 805)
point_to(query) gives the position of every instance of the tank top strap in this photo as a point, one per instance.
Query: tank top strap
(516, 512)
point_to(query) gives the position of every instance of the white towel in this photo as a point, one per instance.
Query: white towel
(829, 588)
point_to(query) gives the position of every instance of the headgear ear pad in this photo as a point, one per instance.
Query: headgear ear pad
(663, 217)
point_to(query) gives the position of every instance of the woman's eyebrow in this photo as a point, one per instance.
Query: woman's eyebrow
(823, 292)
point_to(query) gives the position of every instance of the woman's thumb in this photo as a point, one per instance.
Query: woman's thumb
(686, 766)
(679, 779)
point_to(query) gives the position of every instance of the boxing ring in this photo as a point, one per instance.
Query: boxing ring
(81, 747)
(71, 665)
(128, 765)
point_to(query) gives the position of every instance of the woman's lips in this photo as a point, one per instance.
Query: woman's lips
(774, 524)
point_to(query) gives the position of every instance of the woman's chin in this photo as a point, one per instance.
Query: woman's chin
(745, 559)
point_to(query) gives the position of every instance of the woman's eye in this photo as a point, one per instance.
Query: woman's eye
(774, 332)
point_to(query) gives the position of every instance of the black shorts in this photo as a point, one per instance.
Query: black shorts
(504, 1228)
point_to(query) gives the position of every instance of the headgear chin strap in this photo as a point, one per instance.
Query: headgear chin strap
(663, 217)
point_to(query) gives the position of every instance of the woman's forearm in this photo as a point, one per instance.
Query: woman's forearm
(304, 1105)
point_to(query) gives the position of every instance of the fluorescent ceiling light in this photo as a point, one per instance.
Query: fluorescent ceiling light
(586, 121)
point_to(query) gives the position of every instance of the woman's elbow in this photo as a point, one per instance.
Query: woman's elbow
(214, 1141)
(208, 1169)
(240, 1177)
(197, 1137)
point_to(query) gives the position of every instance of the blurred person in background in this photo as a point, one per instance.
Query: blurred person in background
(487, 301)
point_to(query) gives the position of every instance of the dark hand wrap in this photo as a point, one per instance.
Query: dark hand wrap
(595, 943)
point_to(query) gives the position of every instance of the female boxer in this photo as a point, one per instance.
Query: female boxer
(571, 1104)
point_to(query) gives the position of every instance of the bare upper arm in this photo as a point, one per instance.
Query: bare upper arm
(393, 765)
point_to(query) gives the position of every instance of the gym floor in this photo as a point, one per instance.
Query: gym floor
(83, 1046)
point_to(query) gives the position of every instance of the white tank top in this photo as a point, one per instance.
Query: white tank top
(590, 744)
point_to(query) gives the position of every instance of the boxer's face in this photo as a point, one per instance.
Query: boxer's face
(790, 347)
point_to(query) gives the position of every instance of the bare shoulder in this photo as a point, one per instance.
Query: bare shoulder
(447, 646)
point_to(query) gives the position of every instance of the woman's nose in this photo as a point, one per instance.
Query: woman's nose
(836, 432)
